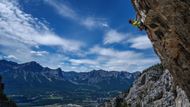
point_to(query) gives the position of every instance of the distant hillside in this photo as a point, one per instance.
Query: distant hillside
(32, 84)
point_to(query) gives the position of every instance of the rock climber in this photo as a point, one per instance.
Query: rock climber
(137, 23)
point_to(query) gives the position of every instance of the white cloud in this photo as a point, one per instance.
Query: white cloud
(112, 36)
(136, 41)
(108, 52)
(91, 22)
(63, 9)
(17, 25)
(20, 33)
(111, 59)
(39, 53)
(52, 60)
(82, 62)
(105, 25)
(16, 48)
(53, 40)
(68, 12)
(140, 42)
(10, 57)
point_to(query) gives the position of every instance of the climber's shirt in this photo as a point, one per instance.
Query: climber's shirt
(136, 23)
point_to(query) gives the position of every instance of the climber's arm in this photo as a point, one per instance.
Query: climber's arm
(138, 18)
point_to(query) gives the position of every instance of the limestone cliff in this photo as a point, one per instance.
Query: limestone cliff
(154, 88)
(168, 28)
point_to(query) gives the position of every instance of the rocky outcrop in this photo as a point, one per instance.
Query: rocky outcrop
(168, 28)
(154, 88)
(4, 101)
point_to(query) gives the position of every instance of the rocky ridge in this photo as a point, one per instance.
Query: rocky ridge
(154, 88)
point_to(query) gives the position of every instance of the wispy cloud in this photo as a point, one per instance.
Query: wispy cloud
(136, 41)
(68, 12)
(21, 33)
(82, 62)
(91, 22)
(114, 60)
(10, 57)
(17, 25)
(63, 9)
(39, 53)
(140, 42)
(22, 36)
(112, 36)
(111, 53)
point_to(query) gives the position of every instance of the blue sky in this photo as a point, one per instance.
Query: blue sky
(75, 35)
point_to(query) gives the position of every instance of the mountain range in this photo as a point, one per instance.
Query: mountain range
(32, 84)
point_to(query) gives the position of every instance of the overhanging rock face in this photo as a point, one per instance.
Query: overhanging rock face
(168, 23)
